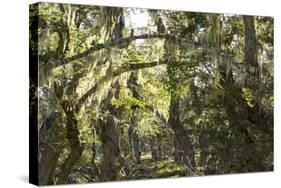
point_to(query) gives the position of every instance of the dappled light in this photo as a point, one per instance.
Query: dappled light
(127, 93)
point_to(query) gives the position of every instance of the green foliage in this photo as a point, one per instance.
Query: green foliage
(222, 107)
(135, 57)
(128, 101)
(247, 94)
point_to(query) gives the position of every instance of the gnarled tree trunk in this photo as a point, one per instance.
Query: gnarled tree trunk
(182, 143)
(76, 148)
(94, 152)
(112, 161)
(137, 150)
(250, 41)
(51, 145)
(110, 167)
(183, 146)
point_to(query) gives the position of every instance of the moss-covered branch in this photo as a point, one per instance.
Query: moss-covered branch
(117, 72)
(113, 43)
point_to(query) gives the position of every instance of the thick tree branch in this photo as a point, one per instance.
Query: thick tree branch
(113, 44)
(117, 72)
(187, 43)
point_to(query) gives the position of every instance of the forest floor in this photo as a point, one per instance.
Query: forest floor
(158, 169)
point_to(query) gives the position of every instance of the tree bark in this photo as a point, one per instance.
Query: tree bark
(183, 147)
(178, 155)
(72, 132)
(112, 160)
(112, 43)
(137, 150)
(47, 168)
(131, 142)
(251, 60)
(160, 148)
(110, 168)
(76, 148)
(134, 143)
(153, 148)
(51, 145)
(94, 152)
(250, 41)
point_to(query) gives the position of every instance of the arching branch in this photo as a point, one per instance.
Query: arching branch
(112, 44)
(117, 72)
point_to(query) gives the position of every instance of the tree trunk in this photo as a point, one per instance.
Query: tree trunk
(76, 148)
(134, 139)
(112, 161)
(250, 42)
(183, 146)
(47, 168)
(72, 132)
(160, 148)
(110, 170)
(251, 60)
(153, 148)
(94, 152)
(131, 143)
(174, 122)
(51, 138)
(137, 150)
(203, 144)
(177, 152)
